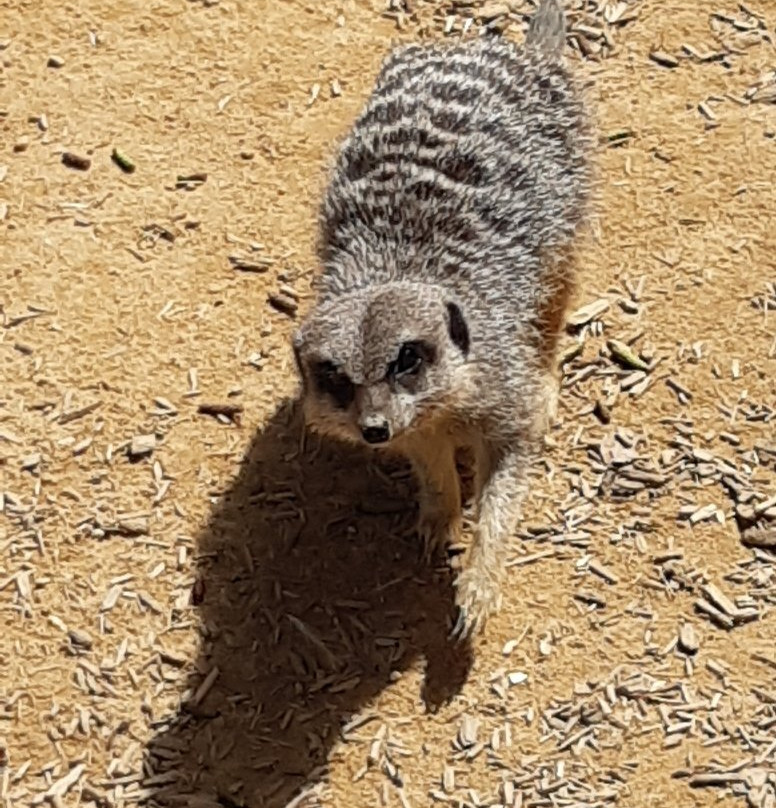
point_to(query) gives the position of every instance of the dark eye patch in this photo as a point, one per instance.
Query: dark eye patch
(331, 381)
(412, 356)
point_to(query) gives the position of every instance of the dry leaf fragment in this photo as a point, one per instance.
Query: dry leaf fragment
(625, 356)
(124, 162)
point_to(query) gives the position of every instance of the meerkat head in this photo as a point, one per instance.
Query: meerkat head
(376, 363)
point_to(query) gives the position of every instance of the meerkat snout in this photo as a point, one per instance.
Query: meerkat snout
(378, 363)
(376, 430)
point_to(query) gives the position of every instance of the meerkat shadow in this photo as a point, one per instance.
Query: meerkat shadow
(314, 598)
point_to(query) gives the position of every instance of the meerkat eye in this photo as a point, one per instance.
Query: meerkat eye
(409, 360)
(333, 382)
(412, 356)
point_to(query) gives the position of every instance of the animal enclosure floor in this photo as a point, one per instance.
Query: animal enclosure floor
(201, 607)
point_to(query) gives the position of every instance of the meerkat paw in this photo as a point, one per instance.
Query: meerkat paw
(477, 597)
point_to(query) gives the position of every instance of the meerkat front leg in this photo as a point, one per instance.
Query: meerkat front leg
(440, 495)
(501, 485)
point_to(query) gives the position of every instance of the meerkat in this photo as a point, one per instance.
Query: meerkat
(444, 229)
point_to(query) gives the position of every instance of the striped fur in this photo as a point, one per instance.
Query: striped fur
(450, 206)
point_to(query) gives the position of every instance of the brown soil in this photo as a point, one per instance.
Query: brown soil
(195, 626)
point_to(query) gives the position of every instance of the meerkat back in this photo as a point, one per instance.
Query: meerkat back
(463, 153)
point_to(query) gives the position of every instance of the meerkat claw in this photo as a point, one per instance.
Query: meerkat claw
(428, 535)
(461, 628)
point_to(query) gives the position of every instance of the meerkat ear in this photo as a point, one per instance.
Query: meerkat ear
(457, 328)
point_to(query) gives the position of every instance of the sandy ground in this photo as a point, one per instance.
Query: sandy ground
(216, 611)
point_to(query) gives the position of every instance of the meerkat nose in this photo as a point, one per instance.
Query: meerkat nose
(376, 434)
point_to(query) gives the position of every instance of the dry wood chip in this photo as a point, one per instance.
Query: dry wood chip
(663, 59)
(702, 514)
(591, 598)
(765, 506)
(80, 638)
(82, 445)
(111, 598)
(150, 602)
(759, 536)
(283, 303)
(587, 313)
(491, 11)
(531, 558)
(30, 461)
(222, 410)
(205, 687)
(130, 525)
(682, 393)
(719, 599)
(141, 446)
(720, 618)
(23, 586)
(328, 657)
(517, 678)
(545, 646)
(467, 733)
(602, 572)
(252, 264)
(72, 415)
(188, 182)
(688, 639)
(61, 786)
(570, 352)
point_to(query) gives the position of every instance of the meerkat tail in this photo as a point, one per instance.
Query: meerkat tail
(547, 31)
